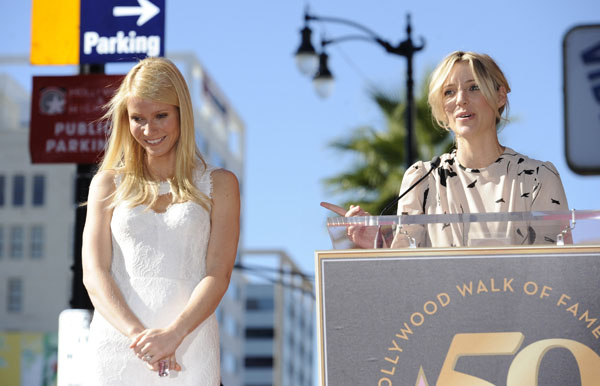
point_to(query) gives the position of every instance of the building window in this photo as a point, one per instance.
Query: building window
(263, 304)
(37, 241)
(18, 196)
(15, 295)
(260, 333)
(16, 242)
(39, 182)
(1, 241)
(259, 362)
(2, 190)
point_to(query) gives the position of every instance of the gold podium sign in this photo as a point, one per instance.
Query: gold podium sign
(523, 316)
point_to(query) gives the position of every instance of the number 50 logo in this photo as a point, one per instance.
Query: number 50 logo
(524, 368)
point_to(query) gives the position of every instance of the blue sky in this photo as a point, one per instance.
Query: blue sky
(248, 46)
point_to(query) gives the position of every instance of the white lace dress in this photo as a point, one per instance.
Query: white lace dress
(158, 259)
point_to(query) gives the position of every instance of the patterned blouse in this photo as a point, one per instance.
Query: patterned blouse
(513, 183)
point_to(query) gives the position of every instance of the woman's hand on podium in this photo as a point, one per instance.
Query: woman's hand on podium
(362, 236)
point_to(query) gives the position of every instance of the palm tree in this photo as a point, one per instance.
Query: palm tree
(380, 164)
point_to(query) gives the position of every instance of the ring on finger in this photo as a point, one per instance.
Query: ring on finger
(163, 368)
(147, 357)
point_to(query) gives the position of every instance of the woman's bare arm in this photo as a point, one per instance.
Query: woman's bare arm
(97, 258)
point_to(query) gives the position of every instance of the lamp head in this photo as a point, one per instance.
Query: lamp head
(306, 56)
(323, 79)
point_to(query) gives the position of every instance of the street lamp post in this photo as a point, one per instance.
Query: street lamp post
(307, 60)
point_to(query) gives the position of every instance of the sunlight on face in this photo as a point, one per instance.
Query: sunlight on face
(467, 111)
(154, 125)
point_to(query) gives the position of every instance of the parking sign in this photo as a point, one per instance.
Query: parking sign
(121, 30)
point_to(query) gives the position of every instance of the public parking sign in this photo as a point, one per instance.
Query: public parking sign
(121, 30)
(66, 114)
(581, 64)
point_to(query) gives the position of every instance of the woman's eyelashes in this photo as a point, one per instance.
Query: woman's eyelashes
(140, 120)
(451, 92)
(135, 119)
(448, 92)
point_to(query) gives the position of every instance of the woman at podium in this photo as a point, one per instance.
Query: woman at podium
(468, 95)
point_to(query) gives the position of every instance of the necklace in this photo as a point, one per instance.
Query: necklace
(164, 187)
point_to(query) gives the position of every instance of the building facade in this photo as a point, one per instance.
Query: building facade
(36, 224)
(279, 325)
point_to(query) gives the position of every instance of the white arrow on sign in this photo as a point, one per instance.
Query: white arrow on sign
(146, 11)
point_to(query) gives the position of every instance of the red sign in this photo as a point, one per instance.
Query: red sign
(66, 114)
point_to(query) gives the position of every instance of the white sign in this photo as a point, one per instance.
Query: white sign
(146, 11)
(581, 62)
(73, 332)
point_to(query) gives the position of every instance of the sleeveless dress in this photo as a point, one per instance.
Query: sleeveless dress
(158, 259)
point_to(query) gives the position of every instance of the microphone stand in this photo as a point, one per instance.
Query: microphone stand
(435, 162)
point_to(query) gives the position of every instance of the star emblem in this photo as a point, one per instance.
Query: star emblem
(52, 101)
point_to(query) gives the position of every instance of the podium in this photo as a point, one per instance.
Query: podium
(485, 312)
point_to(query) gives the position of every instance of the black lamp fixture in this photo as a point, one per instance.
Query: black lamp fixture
(323, 78)
(307, 59)
(306, 56)
(312, 64)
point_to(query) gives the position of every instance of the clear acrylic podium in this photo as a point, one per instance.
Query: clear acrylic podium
(465, 230)
(510, 299)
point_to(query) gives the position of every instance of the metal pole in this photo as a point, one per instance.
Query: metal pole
(410, 150)
(85, 172)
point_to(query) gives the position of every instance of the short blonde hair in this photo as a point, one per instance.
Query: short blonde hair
(155, 79)
(488, 77)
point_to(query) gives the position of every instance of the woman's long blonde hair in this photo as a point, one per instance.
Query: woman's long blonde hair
(488, 76)
(155, 79)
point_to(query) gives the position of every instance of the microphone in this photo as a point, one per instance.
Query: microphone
(435, 162)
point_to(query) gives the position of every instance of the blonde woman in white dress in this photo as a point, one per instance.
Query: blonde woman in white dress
(160, 239)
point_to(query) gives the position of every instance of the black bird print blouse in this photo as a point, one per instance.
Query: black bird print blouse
(513, 183)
